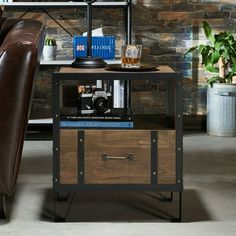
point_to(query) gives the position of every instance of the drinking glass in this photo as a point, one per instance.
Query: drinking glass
(131, 56)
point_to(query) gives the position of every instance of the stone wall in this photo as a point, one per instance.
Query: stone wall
(165, 28)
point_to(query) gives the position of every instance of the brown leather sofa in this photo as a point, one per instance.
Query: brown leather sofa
(21, 44)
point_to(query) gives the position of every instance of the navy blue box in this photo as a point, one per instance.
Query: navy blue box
(101, 47)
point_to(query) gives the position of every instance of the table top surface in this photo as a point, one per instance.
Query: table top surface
(70, 70)
(162, 72)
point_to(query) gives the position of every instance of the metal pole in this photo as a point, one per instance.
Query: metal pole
(89, 30)
(129, 22)
(128, 41)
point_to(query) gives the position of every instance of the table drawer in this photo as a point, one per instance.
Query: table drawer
(117, 157)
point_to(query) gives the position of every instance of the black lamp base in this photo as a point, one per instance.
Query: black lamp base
(89, 62)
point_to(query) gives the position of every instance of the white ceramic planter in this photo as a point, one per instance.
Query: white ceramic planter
(49, 52)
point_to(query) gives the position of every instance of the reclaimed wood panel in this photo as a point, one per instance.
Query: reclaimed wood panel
(166, 157)
(68, 157)
(117, 143)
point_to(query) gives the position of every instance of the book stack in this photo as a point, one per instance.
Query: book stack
(102, 46)
(118, 118)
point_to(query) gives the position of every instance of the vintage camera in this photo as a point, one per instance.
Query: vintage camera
(97, 102)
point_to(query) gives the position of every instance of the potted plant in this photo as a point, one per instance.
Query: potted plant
(50, 48)
(219, 58)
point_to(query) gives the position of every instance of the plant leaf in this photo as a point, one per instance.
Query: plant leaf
(202, 48)
(213, 80)
(208, 32)
(218, 45)
(215, 57)
(212, 68)
(190, 50)
(232, 72)
(206, 52)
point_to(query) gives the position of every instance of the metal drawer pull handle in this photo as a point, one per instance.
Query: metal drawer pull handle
(106, 157)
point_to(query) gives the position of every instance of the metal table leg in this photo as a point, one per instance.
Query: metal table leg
(180, 207)
(56, 217)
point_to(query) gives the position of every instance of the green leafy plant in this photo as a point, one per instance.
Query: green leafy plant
(219, 56)
(49, 41)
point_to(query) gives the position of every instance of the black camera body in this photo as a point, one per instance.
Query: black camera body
(97, 102)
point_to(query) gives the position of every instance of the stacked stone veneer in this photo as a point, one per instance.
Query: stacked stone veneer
(165, 28)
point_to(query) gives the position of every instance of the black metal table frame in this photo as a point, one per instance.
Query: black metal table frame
(174, 110)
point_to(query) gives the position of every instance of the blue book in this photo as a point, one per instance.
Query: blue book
(97, 124)
(101, 47)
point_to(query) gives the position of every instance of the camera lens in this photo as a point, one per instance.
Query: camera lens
(100, 104)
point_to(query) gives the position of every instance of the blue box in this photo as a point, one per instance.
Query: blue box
(101, 46)
(97, 124)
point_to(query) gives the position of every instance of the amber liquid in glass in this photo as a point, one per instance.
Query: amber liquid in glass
(130, 62)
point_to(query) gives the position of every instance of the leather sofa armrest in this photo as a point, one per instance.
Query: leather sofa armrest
(20, 53)
(16, 82)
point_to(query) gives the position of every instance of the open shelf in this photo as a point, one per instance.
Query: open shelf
(62, 4)
(155, 121)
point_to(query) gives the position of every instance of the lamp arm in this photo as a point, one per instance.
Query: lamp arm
(89, 25)
(89, 61)
(89, 30)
